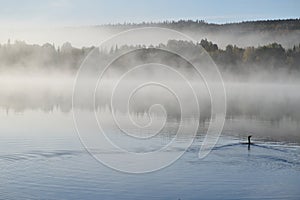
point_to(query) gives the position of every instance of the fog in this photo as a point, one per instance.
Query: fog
(271, 101)
(244, 38)
(239, 35)
(263, 101)
(249, 103)
(78, 36)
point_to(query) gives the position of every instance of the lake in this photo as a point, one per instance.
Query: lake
(41, 157)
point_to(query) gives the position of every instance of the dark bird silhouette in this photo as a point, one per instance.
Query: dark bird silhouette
(249, 142)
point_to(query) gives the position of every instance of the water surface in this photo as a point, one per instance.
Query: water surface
(41, 157)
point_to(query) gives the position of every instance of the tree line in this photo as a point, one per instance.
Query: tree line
(232, 58)
(281, 25)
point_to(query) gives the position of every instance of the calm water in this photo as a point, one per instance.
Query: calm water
(41, 157)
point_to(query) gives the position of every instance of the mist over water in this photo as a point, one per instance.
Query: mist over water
(261, 96)
(269, 108)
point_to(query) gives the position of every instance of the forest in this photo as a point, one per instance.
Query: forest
(261, 25)
(232, 58)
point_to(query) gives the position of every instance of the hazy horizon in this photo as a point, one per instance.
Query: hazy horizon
(87, 36)
(66, 12)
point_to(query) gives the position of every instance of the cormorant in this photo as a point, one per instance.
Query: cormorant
(249, 142)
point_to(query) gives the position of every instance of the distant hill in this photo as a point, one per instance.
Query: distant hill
(244, 34)
(261, 25)
(237, 47)
(249, 33)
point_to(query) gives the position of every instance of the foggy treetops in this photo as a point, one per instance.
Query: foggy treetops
(269, 56)
(232, 58)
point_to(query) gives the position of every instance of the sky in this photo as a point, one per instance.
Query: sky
(93, 12)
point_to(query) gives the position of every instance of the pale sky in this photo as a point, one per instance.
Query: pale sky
(92, 12)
